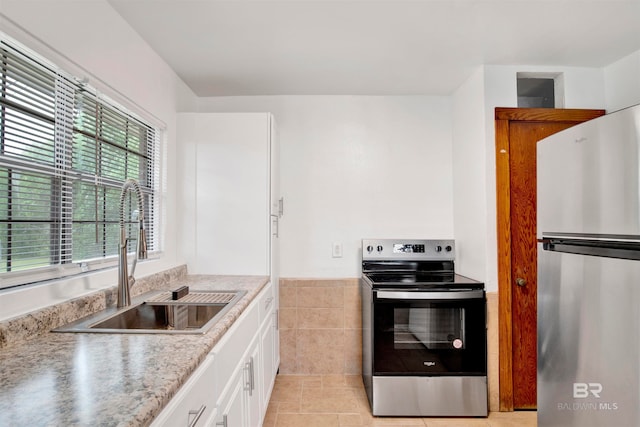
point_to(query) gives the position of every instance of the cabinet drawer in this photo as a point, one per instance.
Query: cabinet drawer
(191, 400)
(267, 301)
(234, 344)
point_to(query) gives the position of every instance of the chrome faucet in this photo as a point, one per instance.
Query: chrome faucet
(126, 279)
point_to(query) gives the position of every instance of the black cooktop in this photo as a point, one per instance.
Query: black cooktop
(412, 264)
(423, 280)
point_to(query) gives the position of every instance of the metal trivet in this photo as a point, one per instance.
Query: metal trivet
(214, 297)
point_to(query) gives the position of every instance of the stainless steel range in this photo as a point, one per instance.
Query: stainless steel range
(424, 349)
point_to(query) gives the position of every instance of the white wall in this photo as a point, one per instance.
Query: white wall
(335, 167)
(354, 167)
(470, 178)
(622, 82)
(101, 46)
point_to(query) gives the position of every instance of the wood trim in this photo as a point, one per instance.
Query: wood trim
(546, 114)
(503, 117)
(503, 201)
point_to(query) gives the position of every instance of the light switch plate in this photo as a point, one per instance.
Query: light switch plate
(336, 250)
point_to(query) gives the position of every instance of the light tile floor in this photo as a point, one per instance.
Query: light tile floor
(338, 401)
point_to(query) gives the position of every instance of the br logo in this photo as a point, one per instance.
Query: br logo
(584, 390)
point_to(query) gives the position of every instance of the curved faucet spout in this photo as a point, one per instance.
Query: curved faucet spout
(125, 278)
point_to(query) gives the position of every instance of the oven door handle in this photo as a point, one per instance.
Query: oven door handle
(412, 295)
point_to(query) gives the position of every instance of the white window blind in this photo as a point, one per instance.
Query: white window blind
(64, 154)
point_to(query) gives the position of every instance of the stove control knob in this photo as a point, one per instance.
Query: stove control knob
(369, 248)
(448, 248)
(438, 248)
(379, 248)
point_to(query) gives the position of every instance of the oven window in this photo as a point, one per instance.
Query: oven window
(429, 337)
(431, 328)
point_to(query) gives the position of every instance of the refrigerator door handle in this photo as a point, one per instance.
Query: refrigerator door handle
(609, 246)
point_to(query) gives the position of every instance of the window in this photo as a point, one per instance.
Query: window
(65, 152)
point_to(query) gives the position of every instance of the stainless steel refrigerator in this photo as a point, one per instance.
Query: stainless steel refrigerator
(589, 274)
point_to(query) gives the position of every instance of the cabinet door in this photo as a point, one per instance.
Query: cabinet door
(253, 383)
(192, 401)
(230, 173)
(267, 341)
(231, 350)
(231, 404)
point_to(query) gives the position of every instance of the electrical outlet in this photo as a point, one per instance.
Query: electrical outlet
(336, 251)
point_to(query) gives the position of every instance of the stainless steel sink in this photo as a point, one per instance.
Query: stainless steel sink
(155, 312)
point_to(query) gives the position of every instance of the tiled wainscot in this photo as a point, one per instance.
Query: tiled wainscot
(321, 330)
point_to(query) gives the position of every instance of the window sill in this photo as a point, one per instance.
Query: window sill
(24, 299)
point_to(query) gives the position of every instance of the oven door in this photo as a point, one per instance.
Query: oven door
(419, 333)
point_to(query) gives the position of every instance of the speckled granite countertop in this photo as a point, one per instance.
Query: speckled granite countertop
(68, 379)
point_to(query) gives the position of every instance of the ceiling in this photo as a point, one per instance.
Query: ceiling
(363, 47)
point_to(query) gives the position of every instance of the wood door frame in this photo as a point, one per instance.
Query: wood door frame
(503, 118)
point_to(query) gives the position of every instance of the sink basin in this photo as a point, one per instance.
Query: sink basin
(156, 313)
(145, 316)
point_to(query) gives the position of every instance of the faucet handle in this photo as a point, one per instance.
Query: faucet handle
(142, 243)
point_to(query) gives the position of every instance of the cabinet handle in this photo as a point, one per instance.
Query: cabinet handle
(250, 384)
(252, 377)
(276, 226)
(281, 207)
(222, 423)
(197, 414)
(247, 384)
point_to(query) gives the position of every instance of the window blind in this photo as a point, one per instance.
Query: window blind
(65, 152)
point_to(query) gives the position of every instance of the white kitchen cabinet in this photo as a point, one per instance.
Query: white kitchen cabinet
(269, 363)
(230, 351)
(243, 402)
(253, 384)
(194, 403)
(230, 200)
(268, 342)
(230, 193)
(269, 352)
(239, 403)
(231, 207)
(230, 408)
(234, 382)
